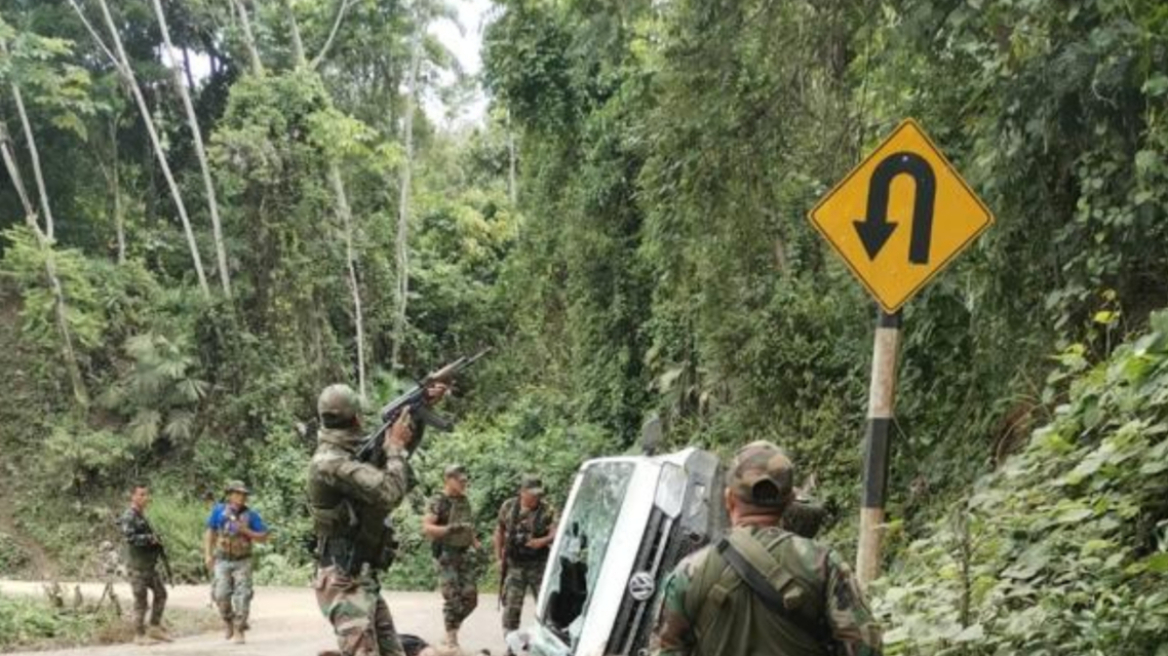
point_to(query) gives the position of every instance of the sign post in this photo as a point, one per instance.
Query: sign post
(877, 443)
(896, 220)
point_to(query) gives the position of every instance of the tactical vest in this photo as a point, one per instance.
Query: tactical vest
(347, 528)
(229, 542)
(141, 558)
(732, 621)
(520, 530)
(454, 511)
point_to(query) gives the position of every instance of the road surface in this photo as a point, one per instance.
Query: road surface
(286, 622)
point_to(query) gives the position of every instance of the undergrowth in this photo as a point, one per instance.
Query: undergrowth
(1064, 549)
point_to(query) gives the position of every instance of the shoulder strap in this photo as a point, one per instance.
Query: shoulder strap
(751, 576)
(757, 567)
(515, 512)
(444, 504)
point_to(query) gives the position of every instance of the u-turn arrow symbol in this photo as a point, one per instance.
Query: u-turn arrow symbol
(875, 229)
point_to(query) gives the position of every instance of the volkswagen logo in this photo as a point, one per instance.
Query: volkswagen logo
(642, 586)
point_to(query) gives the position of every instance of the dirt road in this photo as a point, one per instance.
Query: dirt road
(286, 622)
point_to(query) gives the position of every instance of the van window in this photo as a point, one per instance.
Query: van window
(580, 552)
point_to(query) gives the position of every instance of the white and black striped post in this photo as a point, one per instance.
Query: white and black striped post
(881, 398)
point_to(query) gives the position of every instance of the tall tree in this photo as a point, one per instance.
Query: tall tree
(406, 173)
(60, 309)
(121, 62)
(33, 153)
(200, 151)
(253, 52)
(343, 211)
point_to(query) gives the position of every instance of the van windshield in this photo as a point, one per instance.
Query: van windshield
(580, 552)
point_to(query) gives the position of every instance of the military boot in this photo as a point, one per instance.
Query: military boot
(228, 629)
(239, 631)
(158, 633)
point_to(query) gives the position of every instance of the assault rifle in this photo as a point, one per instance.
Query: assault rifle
(162, 555)
(166, 562)
(414, 400)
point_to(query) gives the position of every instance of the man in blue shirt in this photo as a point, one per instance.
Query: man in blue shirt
(232, 528)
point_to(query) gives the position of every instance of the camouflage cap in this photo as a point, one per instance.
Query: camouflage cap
(339, 401)
(237, 486)
(455, 469)
(762, 475)
(531, 483)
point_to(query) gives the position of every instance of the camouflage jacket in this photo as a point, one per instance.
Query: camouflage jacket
(351, 499)
(142, 546)
(706, 609)
(519, 527)
(455, 512)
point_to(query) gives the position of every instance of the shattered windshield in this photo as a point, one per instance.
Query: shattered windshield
(580, 552)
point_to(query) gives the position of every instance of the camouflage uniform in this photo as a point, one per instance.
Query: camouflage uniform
(707, 608)
(524, 566)
(455, 558)
(143, 550)
(350, 502)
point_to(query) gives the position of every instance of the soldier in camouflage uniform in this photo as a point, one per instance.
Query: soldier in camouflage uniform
(350, 502)
(762, 589)
(449, 523)
(143, 549)
(523, 538)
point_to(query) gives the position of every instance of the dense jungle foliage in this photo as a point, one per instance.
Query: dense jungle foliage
(626, 228)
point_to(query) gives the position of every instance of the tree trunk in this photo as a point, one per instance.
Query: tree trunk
(123, 65)
(119, 211)
(186, 65)
(14, 173)
(512, 189)
(257, 67)
(403, 217)
(344, 211)
(294, 28)
(200, 151)
(60, 311)
(332, 34)
(34, 155)
(346, 216)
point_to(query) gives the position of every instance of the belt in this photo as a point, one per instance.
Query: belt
(223, 556)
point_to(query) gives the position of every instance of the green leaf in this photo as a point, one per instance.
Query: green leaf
(971, 633)
(1157, 563)
(1157, 85)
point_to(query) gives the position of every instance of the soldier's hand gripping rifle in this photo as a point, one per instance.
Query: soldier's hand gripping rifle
(373, 447)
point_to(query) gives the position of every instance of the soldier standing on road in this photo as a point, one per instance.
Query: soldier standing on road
(232, 528)
(350, 502)
(762, 589)
(143, 549)
(449, 523)
(523, 538)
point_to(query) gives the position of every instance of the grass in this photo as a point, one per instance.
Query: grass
(33, 624)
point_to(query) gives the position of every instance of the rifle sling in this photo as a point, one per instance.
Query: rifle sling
(764, 591)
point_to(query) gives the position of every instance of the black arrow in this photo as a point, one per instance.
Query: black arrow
(875, 229)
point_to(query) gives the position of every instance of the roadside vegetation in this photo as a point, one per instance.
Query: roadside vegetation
(626, 227)
(30, 623)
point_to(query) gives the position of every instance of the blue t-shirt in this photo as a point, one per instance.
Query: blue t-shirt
(222, 518)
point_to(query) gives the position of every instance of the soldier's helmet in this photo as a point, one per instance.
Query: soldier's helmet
(762, 475)
(338, 402)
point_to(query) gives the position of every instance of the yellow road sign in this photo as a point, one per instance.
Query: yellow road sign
(901, 216)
